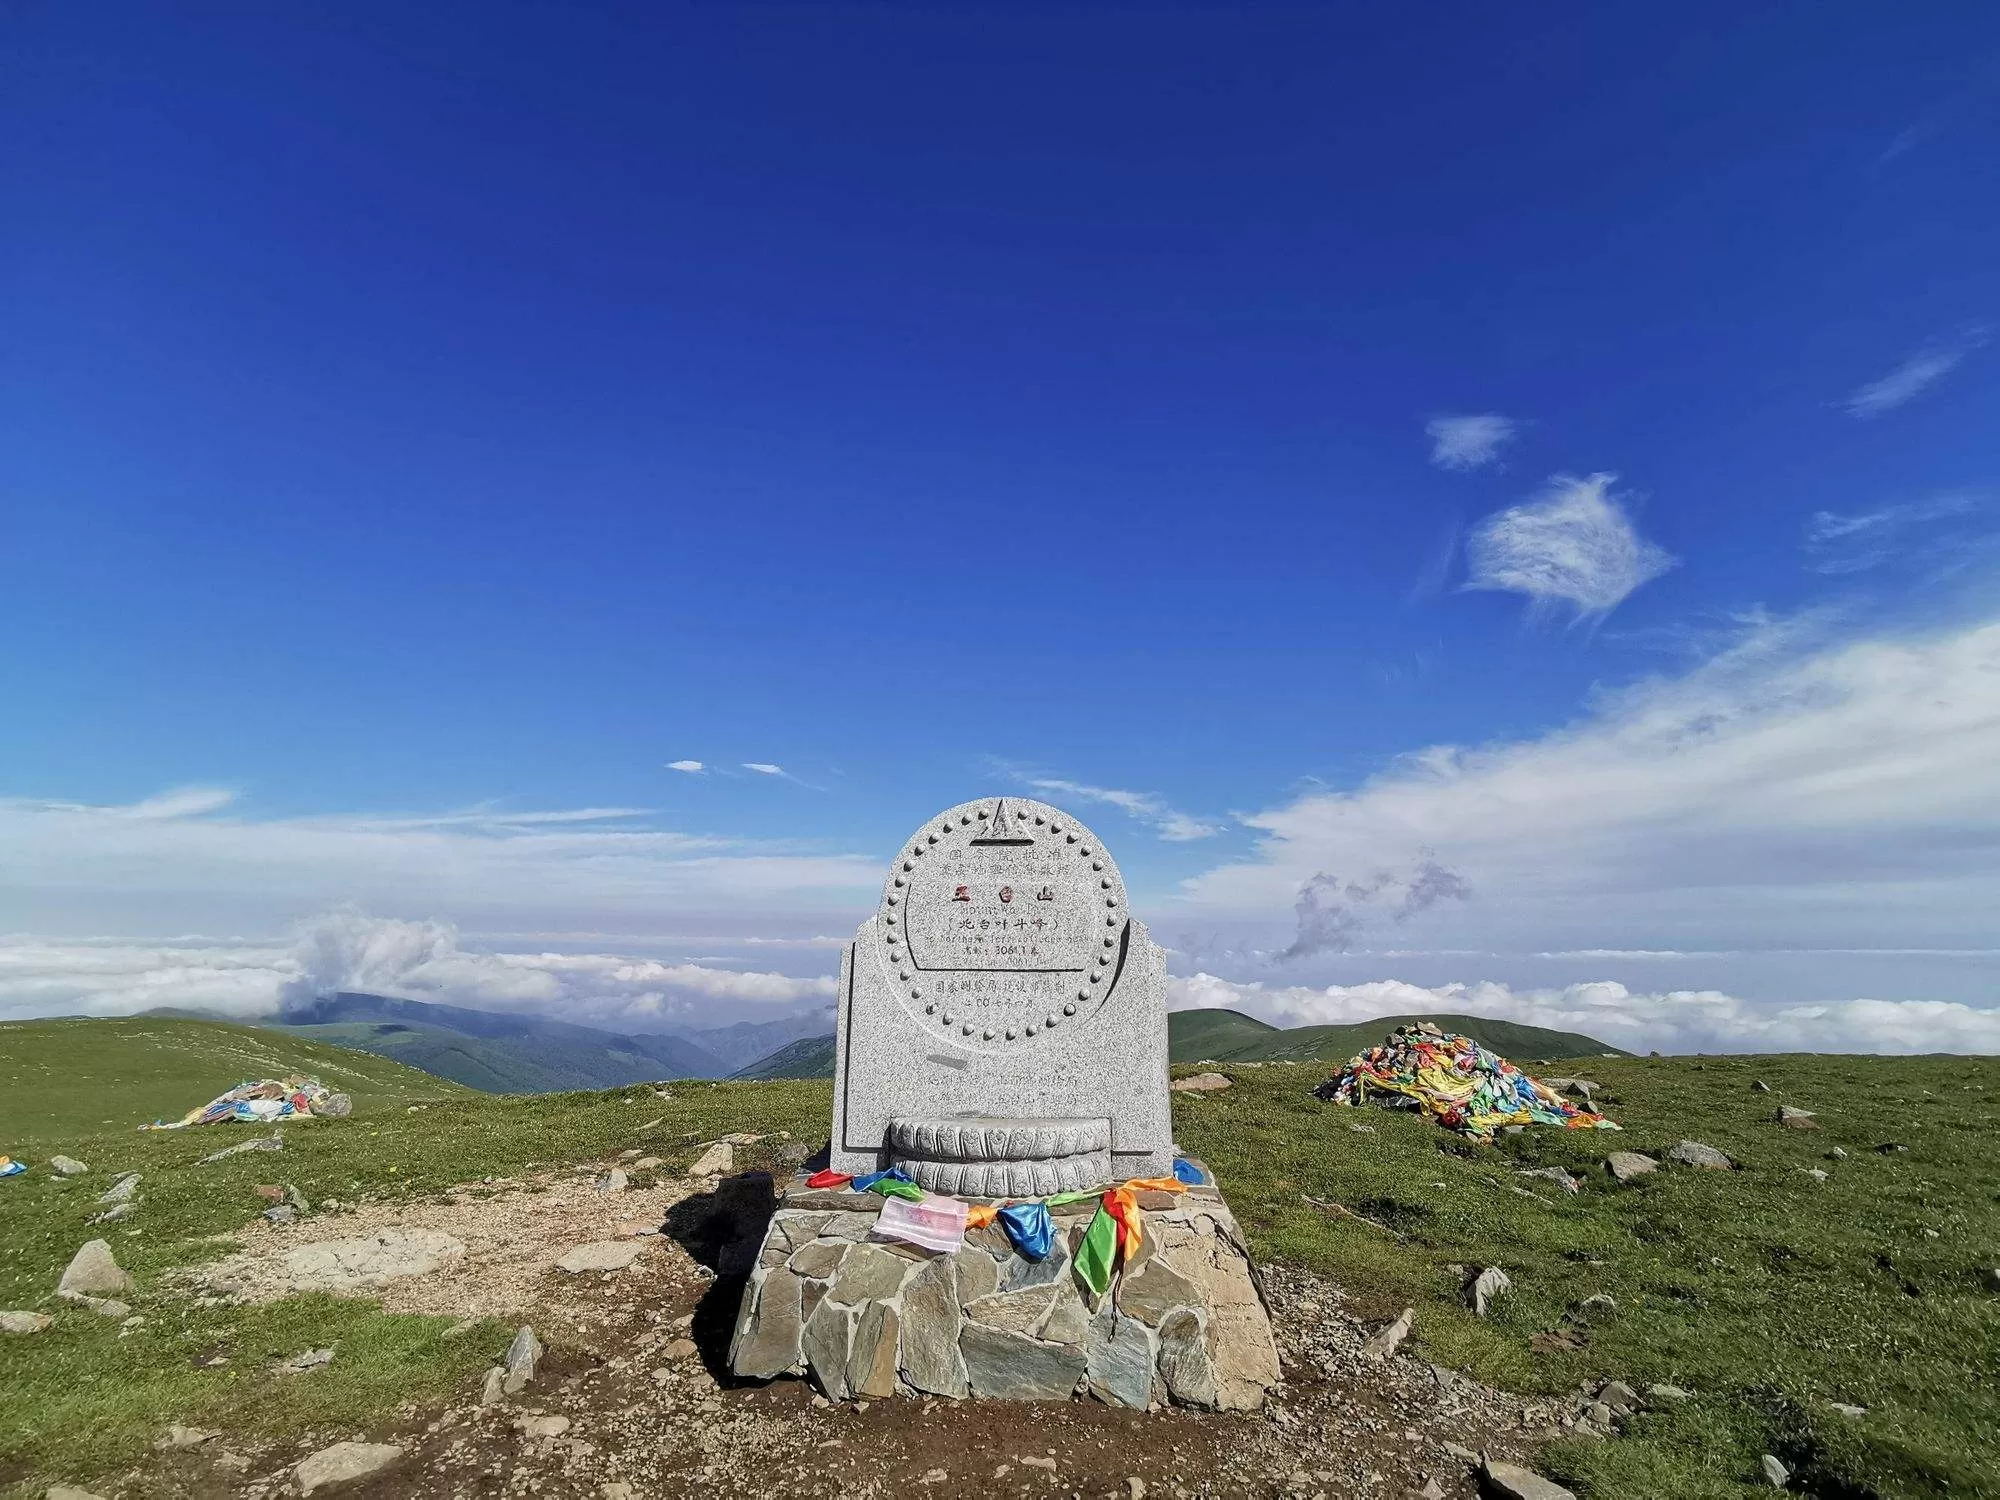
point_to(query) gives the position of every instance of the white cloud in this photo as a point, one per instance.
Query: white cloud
(414, 960)
(1572, 545)
(1908, 532)
(1468, 442)
(68, 864)
(1792, 792)
(1915, 375)
(1173, 826)
(1669, 1021)
(763, 768)
(692, 767)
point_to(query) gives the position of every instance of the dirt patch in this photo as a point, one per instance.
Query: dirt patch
(482, 1250)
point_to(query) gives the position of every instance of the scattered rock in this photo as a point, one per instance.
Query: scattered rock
(1696, 1154)
(312, 1359)
(281, 1213)
(524, 1355)
(343, 1464)
(1775, 1473)
(105, 1307)
(741, 1138)
(24, 1322)
(682, 1349)
(1758, 1086)
(1386, 1341)
(92, 1269)
(494, 1389)
(1814, 1173)
(1626, 1165)
(1796, 1119)
(1200, 1083)
(541, 1427)
(120, 1191)
(1036, 1461)
(177, 1436)
(1362, 1129)
(1487, 1285)
(1557, 1175)
(67, 1166)
(1668, 1393)
(1836, 1154)
(1890, 1148)
(1847, 1411)
(603, 1255)
(715, 1161)
(118, 1211)
(68, 1492)
(262, 1143)
(1619, 1396)
(1505, 1481)
(1598, 1305)
(616, 1489)
(614, 1181)
(648, 1164)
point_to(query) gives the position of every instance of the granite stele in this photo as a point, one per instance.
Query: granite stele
(1003, 1023)
(1003, 1038)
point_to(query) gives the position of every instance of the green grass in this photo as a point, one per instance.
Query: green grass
(1768, 1294)
(82, 1402)
(1765, 1293)
(63, 1079)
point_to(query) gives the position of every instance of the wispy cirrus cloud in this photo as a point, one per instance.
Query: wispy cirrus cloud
(1573, 545)
(1796, 791)
(1144, 807)
(1470, 441)
(1950, 530)
(1916, 374)
(688, 767)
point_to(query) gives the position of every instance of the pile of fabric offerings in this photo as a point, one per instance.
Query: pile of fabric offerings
(938, 1222)
(1456, 1082)
(262, 1100)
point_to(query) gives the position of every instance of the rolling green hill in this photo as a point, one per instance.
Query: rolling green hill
(808, 1057)
(1193, 1035)
(61, 1078)
(1200, 1035)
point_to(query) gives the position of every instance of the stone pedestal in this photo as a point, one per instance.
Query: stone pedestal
(866, 1317)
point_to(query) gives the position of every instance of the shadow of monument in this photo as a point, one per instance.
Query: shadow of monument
(722, 1229)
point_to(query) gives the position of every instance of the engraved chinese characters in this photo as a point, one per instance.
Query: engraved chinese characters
(1003, 977)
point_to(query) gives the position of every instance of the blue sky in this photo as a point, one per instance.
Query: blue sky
(420, 427)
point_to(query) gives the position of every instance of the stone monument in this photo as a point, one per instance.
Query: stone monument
(1003, 1036)
(1003, 1024)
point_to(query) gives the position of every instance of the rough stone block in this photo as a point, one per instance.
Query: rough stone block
(1018, 1312)
(871, 1366)
(1013, 1367)
(869, 1272)
(770, 1343)
(1184, 1361)
(827, 1342)
(1118, 1360)
(930, 1359)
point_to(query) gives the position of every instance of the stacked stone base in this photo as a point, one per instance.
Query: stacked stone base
(868, 1318)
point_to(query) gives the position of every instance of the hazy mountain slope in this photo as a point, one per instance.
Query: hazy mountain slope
(746, 1042)
(499, 1051)
(808, 1057)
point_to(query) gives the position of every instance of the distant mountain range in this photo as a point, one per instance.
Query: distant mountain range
(507, 1053)
(1231, 1036)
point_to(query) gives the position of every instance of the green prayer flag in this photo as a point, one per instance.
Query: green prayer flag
(1098, 1253)
(890, 1187)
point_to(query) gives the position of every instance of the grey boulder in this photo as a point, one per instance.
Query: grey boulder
(91, 1270)
(344, 1464)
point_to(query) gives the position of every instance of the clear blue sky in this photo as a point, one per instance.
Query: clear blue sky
(407, 408)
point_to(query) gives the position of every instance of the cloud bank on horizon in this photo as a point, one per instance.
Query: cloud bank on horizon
(1796, 790)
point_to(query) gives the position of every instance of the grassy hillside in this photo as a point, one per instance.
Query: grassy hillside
(808, 1057)
(1766, 1293)
(62, 1079)
(1235, 1041)
(1195, 1034)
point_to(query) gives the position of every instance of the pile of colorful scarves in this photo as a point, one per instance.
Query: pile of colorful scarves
(1457, 1083)
(939, 1223)
(262, 1100)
